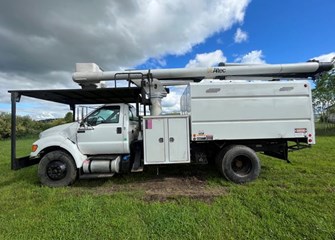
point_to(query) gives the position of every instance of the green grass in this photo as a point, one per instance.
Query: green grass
(288, 201)
(325, 129)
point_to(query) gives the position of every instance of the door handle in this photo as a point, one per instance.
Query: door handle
(118, 130)
(160, 140)
(84, 129)
(171, 139)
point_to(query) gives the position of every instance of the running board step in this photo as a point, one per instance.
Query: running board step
(139, 169)
(96, 175)
(103, 157)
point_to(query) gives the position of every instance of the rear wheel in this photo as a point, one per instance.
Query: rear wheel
(238, 164)
(57, 169)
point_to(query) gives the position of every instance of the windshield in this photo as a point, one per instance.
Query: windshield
(106, 114)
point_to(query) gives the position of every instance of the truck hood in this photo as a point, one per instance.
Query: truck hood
(67, 130)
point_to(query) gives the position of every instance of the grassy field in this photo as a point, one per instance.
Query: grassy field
(288, 201)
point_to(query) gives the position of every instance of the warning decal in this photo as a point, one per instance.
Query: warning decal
(148, 124)
(300, 130)
(202, 137)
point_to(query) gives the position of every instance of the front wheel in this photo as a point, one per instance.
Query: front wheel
(238, 164)
(57, 169)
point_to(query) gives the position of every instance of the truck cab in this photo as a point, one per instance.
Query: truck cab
(108, 130)
(95, 146)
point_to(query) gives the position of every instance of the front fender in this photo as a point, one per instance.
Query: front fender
(61, 142)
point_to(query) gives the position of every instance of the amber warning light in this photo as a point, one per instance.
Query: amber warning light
(34, 148)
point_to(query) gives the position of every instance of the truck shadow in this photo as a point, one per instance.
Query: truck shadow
(152, 173)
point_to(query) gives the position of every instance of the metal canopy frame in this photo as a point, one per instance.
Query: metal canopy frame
(71, 97)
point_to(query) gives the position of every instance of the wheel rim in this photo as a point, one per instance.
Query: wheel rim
(56, 170)
(241, 165)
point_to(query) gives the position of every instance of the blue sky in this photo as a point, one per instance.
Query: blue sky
(285, 31)
(42, 40)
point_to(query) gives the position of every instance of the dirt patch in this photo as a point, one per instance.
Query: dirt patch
(171, 183)
(168, 188)
(172, 188)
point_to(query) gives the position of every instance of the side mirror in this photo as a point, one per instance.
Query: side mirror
(91, 121)
(85, 126)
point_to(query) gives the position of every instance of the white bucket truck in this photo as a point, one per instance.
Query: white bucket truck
(221, 120)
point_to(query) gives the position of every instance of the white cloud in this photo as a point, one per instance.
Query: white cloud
(253, 57)
(53, 36)
(170, 100)
(240, 36)
(171, 103)
(38, 109)
(41, 43)
(207, 59)
(45, 115)
(29, 81)
(325, 57)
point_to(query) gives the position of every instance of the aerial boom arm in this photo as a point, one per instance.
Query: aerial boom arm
(92, 74)
(89, 75)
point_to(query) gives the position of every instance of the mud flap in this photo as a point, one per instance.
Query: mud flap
(136, 155)
(23, 162)
(279, 151)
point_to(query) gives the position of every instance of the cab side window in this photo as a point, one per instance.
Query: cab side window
(132, 114)
(107, 114)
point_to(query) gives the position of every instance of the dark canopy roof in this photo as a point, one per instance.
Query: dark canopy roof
(85, 96)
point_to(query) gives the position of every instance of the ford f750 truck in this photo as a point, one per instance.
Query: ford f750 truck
(221, 120)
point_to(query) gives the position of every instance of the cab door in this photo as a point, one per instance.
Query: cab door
(102, 132)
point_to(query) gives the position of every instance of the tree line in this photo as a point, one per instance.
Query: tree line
(26, 126)
(324, 97)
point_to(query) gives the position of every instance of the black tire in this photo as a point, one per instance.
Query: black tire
(238, 164)
(57, 169)
(218, 159)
